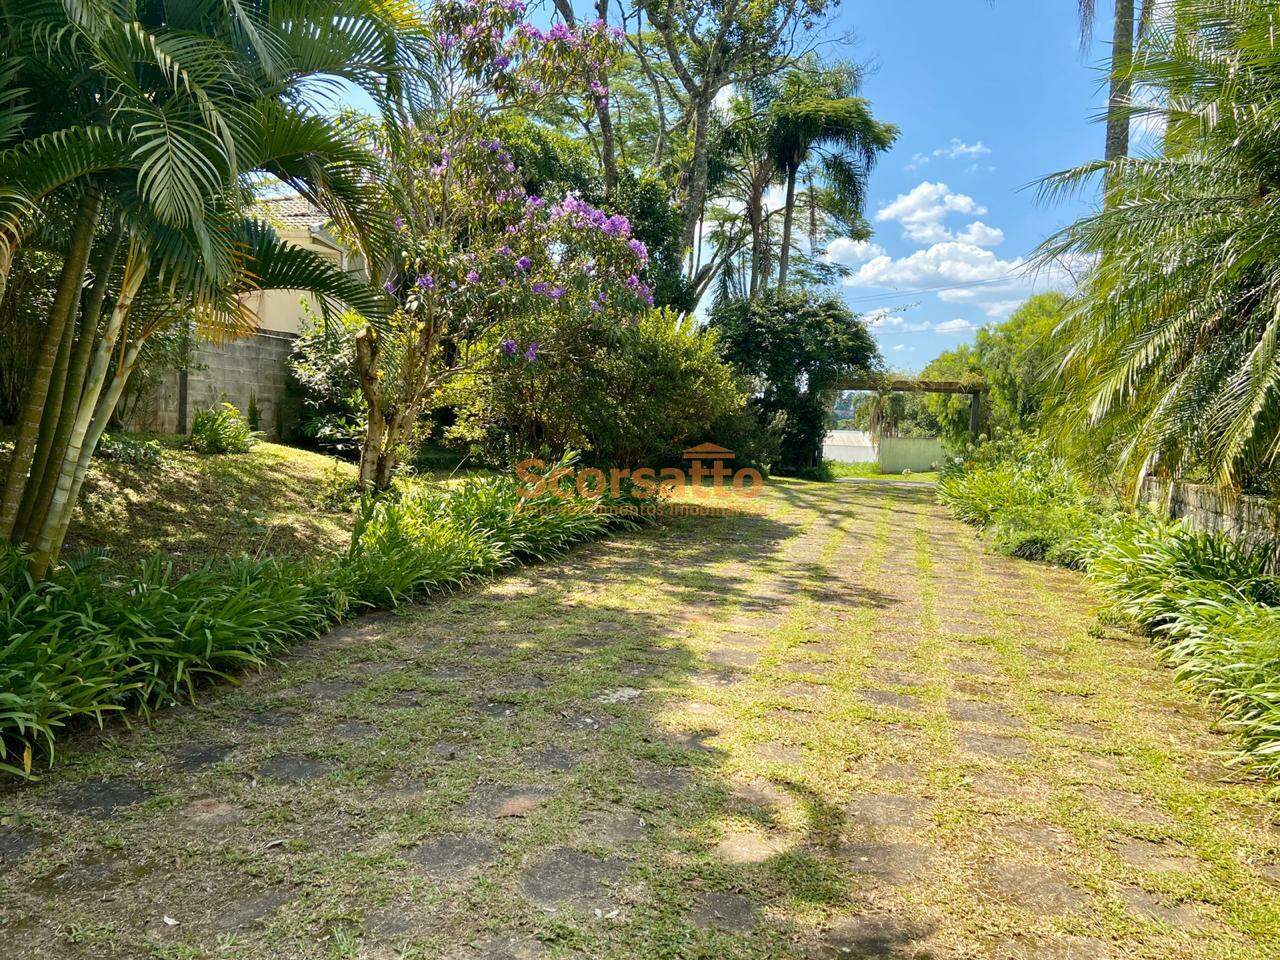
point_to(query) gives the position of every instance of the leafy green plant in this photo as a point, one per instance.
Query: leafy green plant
(1209, 603)
(1028, 502)
(221, 429)
(131, 450)
(340, 489)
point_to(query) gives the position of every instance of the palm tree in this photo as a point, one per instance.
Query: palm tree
(151, 129)
(1171, 354)
(817, 118)
(1125, 23)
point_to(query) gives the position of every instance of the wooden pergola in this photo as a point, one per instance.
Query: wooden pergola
(974, 388)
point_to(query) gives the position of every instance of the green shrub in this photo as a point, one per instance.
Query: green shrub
(79, 645)
(1208, 602)
(629, 395)
(221, 429)
(1212, 611)
(1027, 502)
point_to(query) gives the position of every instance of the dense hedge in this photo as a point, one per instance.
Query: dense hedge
(1208, 603)
(83, 644)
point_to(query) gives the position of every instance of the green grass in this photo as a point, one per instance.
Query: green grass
(862, 470)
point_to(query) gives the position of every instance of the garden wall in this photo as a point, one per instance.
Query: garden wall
(1254, 519)
(256, 367)
(917, 454)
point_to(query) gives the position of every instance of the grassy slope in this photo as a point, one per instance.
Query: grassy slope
(193, 507)
(840, 725)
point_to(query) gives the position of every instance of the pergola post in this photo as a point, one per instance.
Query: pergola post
(975, 413)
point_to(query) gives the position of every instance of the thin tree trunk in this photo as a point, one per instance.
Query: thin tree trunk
(1117, 107)
(69, 282)
(755, 219)
(608, 149)
(813, 217)
(62, 503)
(7, 251)
(785, 255)
(80, 359)
(49, 417)
(102, 416)
(367, 351)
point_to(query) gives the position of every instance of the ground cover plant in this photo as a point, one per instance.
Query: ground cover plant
(1208, 603)
(82, 643)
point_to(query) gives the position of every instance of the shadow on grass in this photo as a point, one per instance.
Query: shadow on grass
(288, 812)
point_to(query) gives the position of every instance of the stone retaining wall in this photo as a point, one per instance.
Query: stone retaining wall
(1253, 519)
(256, 367)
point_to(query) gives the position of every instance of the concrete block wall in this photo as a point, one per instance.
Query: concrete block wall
(257, 367)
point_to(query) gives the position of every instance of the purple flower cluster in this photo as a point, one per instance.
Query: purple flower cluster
(582, 214)
(639, 249)
(511, 349)
(524, 264)
(426, 282)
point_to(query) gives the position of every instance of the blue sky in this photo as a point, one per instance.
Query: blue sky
(989, 97)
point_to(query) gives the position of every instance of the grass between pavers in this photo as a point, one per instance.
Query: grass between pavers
(802, 782)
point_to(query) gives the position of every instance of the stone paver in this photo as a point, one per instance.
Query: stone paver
(833, 728)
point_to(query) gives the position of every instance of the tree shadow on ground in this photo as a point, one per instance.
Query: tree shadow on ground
(531, 717)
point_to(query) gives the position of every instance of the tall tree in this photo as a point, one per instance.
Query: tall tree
(1170, 351)
(709, 45)
(817, 117)
(1123, 26)
(150, 125)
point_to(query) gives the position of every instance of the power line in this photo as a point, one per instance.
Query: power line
(908, 293)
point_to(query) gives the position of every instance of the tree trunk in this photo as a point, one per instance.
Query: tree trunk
(1118, 103)
(7, 250)
(91, 316)
(79, 451)
(70, 281)
(368, 348)
(784, 256)
(45, 556)
(49, 418)
(755, 218)
(696, 188)
(608, 148)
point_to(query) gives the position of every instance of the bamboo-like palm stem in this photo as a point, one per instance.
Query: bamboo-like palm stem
(70, 280)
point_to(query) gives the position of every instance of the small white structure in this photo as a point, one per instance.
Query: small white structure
(917, 454)
(849, 446)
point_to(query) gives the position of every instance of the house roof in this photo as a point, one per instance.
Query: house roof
(293, 212)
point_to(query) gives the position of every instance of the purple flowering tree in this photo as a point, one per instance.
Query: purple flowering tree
(477, 256)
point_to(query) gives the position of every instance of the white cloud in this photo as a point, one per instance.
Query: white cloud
(980, 235)
(958, 325)
(1001, 308)
(902, 347)
(852, 252)
(877, 319)
(957, 149)
(946, 263)
(970, 275)
(922, 211)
